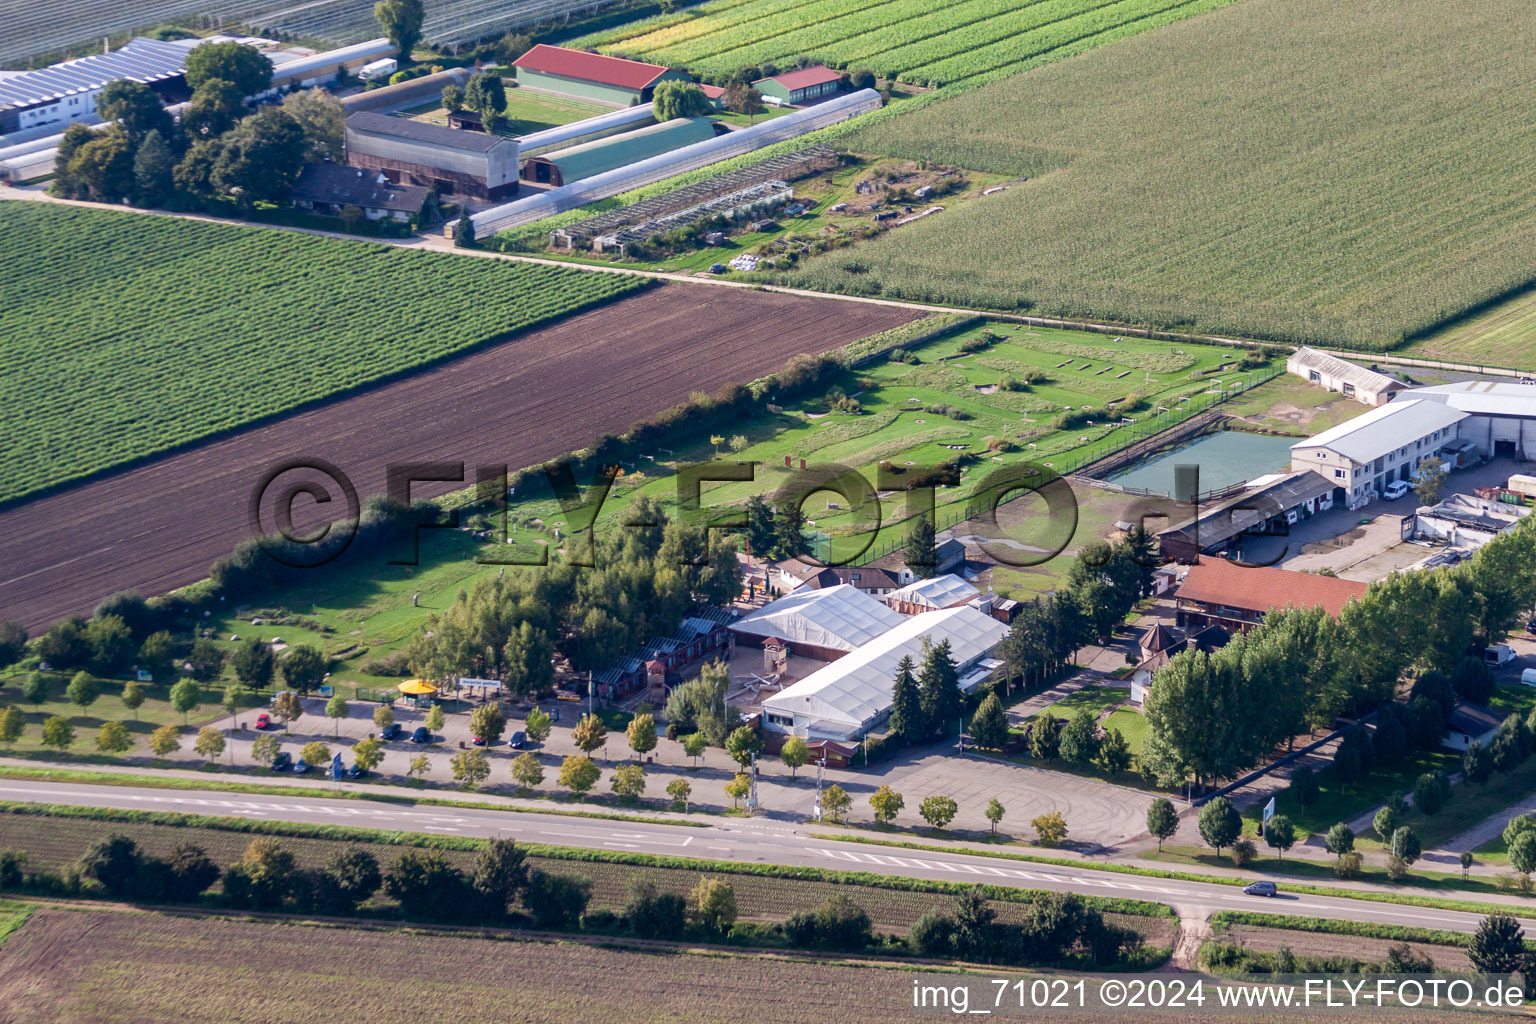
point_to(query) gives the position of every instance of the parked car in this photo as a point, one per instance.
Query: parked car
(1261, 889)
(1528, 380)
(390, 731)
(517, 740)
(282, 762)
(478, 741)
(355, 772)
(717, 268)
(1530, 627)
(1396, 489)
(263, 721)
(421, 735)
(1498, 654)
(300, 766)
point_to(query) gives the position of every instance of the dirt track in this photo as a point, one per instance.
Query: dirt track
(159, 526)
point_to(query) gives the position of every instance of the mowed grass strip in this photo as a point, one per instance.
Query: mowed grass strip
(124, 335)
(1299, 171)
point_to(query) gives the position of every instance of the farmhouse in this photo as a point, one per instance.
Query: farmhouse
(847, 698)
(1170, 642)
(1342, 376)
(330, 188)
(591, 76)
(1501, 417)
(821, 624)
(949, 556)
(930, 595)
(594, 157)
(1361, 456)
(416, 153)
(1469, 723)
(1268, 505)
(64, 93)
(1216, 592)
(802, 86)
(794, 574)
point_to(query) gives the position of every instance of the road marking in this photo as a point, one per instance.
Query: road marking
(438, 828)
(627, 846)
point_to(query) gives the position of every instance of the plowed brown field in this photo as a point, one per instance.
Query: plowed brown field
(159, 526)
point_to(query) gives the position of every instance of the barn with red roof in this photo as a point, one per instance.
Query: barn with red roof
(591, 76)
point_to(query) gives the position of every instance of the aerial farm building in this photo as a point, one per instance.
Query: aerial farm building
(592, 158)
(591, 76)
(797, 87)
(415, 153)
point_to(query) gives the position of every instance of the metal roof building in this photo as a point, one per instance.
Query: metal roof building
(595, 157)
(800, 86)
(408, 93)
(562, 136)
(853, 694)
(1501, 417)
(417, 153)
(932, 594)
(1361, 456)
(66, 91)
(1340, 375)
(591, 75)
(821, 624)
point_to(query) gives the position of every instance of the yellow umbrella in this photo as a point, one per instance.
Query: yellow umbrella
(416, 686)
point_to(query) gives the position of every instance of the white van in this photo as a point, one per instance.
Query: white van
(1498, 654)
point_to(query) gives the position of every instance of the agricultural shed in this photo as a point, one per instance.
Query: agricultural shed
(802, 86)
(606, 154)
(322, 68)
(1340, 375)
(66, 92)
(821, 624)
(416, 153)
(1501, 418)
(1268, 504)
(409, 93)
(565, 136)
(847, 698)
(591, 76)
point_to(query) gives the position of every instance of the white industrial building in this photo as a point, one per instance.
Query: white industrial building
(1340, 375)
(1501, 418)
(64, 93)
(824, 624)
(1466, 521)
(932, 594)
(1360, 457)
(852, 695)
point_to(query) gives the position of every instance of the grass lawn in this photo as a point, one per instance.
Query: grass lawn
(1345, 801)
(1374, 871)
(1093, 699)
(527, 111)
(1470, 805)
(108, 707)
(1500, 336)
(12, 916)
(1132, 725)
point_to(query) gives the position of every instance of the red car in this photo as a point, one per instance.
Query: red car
(263, 721)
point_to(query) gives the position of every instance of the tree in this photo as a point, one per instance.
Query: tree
(500, 873)
(1080, 740)
(739, 788)
(589, 733)
(1220, 823)
(419, 767)
(323, 121)
(110, 642)
(216, 106)
(185, 696)
(357, 874)
(113, 862)
(112, 738)
(694, 746)
(1340, 839)
(1385, 823)
(556, 901)
(989, 726)
(13, 643)
(153, 166)
(453, 98)
(336, 709)
(641, 733)
(464, 231)
(426, 885)
(1476, 766)
(1466, 860)
(743, 745)
(1498, 945)
(383, 716)
(288, 706)
(133, 697)
(512, 46)
(304, 668)
(367, 754)
(35, 688)
(1304, 787)
(789, 537)
(528, 771)
(794, 753)
(82, 690)
(435, 718)
(1280, 833)
(537, 725)
(907, 719)
(578, 773)
(401, 21)
(922, 551)
(58, 733)
(487, 96)
(1405, 845)
(1430, 482)
(165, 740)
(1114, 753)
(679, 790)
(835, 801)
(135, 107)
(260, 158)
(209, 743)
(487, 722)
(470, 767)
(714, 901)
(12, 723)
(994, 813)
(316, 753)
(938, 683)
(1162, 820)
(1050, 828)
(1429, 793)
(254, 663)
(886, 803)
(680, 99)
(938, 811)
(739, 444)
(64, 646)
(760, 523)
(1045, 737)
(743, 99)
(264, 748)
(628, 781)
(245, 67)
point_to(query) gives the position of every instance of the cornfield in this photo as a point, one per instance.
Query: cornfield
(1310, 174)
(125, 335)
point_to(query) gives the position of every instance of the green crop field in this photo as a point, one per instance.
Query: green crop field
(124, 335)
(899, 39)
(1301, 170)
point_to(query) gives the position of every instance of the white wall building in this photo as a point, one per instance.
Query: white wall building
(1360, 457)
(1340, 375)
(852, 695)
(1501, 417)
(1466, 521)
(64, 93)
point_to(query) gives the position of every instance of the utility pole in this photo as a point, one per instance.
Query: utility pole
(820, 765)
(752, 794)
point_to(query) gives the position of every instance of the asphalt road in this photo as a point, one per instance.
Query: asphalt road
(742, 840)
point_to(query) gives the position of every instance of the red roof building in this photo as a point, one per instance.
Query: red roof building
(1222, 593)
(800, 86)
(590, 75)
